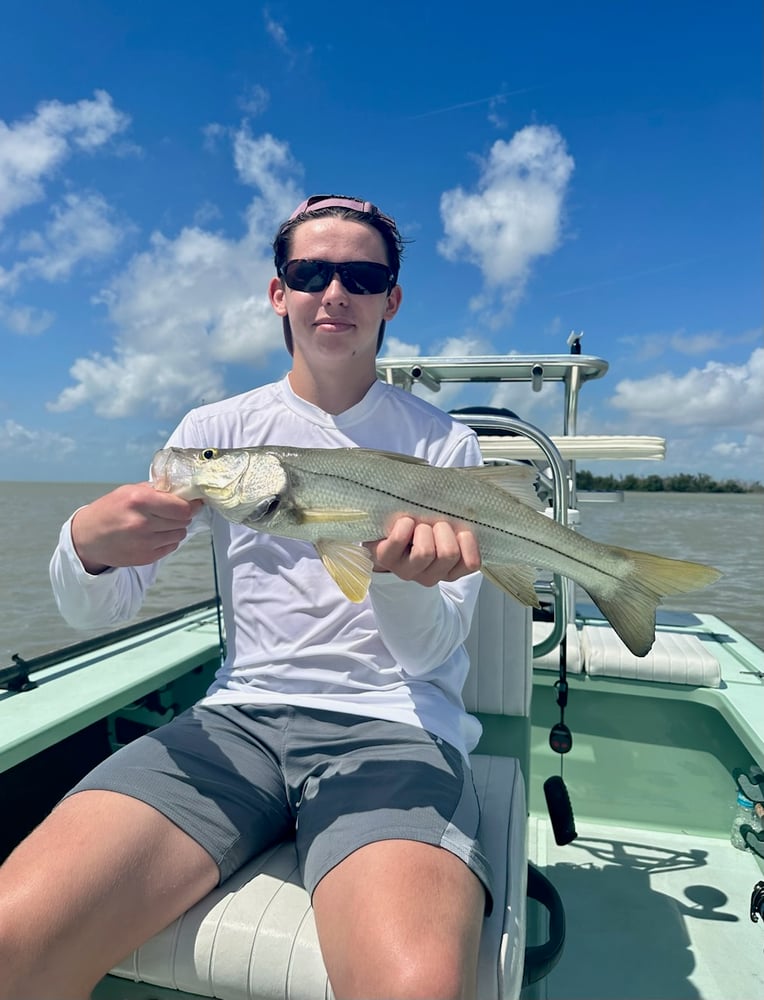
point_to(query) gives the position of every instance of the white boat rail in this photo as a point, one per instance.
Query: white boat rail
(570, 369)
(481, 422)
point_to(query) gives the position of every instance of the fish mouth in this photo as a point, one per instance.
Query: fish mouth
(160, 477)
(171, 472)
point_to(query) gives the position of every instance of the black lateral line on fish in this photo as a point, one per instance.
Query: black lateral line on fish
(466, 520)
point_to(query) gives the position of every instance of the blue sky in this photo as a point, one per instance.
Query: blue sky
(556, 167)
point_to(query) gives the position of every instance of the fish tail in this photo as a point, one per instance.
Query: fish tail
(630, 608)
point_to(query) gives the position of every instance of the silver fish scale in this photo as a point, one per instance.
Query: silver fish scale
(354, 495)
(383, 487)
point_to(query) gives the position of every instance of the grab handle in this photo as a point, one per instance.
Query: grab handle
(540, 959)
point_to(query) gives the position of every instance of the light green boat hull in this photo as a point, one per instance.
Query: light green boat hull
(656, 897)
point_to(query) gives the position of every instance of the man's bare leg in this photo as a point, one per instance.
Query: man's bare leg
(400, 919)
(101, 875)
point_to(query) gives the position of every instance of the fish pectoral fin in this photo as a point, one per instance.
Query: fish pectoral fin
(517, 480)
(349, 565)
(517, 581)
(304, 516)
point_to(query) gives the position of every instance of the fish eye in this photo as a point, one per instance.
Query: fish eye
(209, 453)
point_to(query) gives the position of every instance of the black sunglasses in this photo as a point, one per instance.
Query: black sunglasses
(360, 277)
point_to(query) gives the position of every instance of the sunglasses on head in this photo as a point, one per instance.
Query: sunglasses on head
(360, 277)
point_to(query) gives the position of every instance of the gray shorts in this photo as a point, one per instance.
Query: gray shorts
(240, 778)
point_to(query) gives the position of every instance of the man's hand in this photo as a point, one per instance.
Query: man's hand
(132, 526)
(426, 553)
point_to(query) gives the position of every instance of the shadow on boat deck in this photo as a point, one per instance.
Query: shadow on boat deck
(652, 916)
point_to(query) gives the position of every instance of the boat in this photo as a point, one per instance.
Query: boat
(608, 782)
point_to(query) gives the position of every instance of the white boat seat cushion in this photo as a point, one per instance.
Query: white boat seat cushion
(551, 661)
(499, 646)
(676, 658)
(254, 937)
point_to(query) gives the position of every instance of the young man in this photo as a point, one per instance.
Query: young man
(347, 718)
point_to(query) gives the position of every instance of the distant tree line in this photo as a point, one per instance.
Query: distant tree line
(683, 482)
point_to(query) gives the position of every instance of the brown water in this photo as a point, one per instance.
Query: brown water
(725, 530)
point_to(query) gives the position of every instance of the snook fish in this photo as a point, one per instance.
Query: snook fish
(338, 497)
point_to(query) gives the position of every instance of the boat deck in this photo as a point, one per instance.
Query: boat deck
(651, 916)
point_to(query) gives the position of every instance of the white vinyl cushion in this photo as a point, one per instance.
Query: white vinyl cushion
(578, 446)
(551, 661)
(676, 658)
(500, 680)
(254, 938)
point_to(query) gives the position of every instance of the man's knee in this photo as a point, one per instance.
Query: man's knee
(412, 973)
(440, 977)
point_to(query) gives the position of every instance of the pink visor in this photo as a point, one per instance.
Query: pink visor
(317, 201)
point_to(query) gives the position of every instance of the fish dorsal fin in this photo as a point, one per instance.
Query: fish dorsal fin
(349, 565)
(517, 581)
(331, 514)
(517, 480)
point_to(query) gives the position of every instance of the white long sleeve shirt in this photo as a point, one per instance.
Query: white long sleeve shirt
(292, 637)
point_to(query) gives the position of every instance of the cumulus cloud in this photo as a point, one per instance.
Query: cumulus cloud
(278, 35)
(276, 30)
(715, 410)
(254, 100)
(191, 304)
(513, 216)
(448, 393)
(738, 450)
(120, 386)
(716, 396)
(649, 346)
(27, 321)
(80, 229)
(394, 347)
(34, 148)
(46, 444)
(266, 164)
(182, 309)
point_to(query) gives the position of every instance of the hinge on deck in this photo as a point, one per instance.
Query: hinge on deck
(15, 679)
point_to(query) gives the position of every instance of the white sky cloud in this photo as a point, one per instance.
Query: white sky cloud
(267, 164)
(514, 215)
(80, 229)
(276, 30)
(27, 321)
(750, 447)
(254, 100)
(32, 149)
(182, 309)
(716, 396)
(189, 305)
(46, 444)
(452, 347)
(649, 346)
(120, 386)
(712, 412)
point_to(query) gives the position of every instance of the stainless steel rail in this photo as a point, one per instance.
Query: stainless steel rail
(488, 422)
